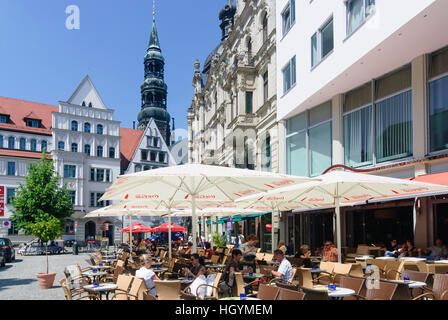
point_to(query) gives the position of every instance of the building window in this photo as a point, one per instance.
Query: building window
(99, 151)
(10, 193)
(266, 154)
(22, 143)
(100, 175)
(61, 145)
(87, 149)
(69, 171)
(74, 147)
(3, 118)
(99, 129)
(153, 156)
(11, 142)
(322, 43)
(289, 75)
(13, 230)
(1, 141)
(94, 197)
(357, 13)
(438, 101)
(87, 127)
(249, 102)
(43, 145)
(11, 168)
(378, 128)
(265, 27)
(112, 152)
(146, 168)
(265, 87)
(33, 145)
(32, 123)
(72, 196)
(288, 16)
(74, 125)
(309, 142)
(162, 158)
(69, 227)
(144, 155)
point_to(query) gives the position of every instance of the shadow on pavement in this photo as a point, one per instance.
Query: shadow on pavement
(14, 282)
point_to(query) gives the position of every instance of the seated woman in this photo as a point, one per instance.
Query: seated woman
(233, 266)
(146, 273)
(196, 263)
(208, 251)
(305, 254)
(248, 249)
(153, 247)
(142, 247)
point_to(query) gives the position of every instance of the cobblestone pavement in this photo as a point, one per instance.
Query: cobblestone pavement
(18, 279)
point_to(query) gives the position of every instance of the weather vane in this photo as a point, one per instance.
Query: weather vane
(154, 8)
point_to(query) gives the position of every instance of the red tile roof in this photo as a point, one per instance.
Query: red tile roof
(130, 138)
(436, 178)
(22, 154)
(18, 110)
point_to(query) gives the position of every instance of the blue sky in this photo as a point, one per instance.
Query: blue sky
(42, 61)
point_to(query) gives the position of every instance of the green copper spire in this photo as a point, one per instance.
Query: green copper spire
(154, 39)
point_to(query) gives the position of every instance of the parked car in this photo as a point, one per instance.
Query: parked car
(69, 243)
(7, 249)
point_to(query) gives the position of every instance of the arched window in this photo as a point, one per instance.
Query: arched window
(83, 103)
(74, 125)
(22, 143)
(74, 147)
(87, 149)
(111, 152)
(33, 145)
(43, 145)
(87, 127)
(99, 129)
(265, 27)
(61, 145)
(11, 142)
(90, 105)
(99, 151)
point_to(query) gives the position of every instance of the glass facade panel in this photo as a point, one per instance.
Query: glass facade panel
(358, 137)
(320, 148)
(296, 154)
(438, 114)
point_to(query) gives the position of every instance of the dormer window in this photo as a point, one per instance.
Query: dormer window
(90, 105)
(83, 104)
(33, 123)
(4, 118)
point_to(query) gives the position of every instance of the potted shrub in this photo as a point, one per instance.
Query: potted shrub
(46, 228)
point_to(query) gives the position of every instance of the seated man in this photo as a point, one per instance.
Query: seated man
(233, 266)
(439, 249)
(196, 263)
(284, 272)
(281, 246)
(329, 252)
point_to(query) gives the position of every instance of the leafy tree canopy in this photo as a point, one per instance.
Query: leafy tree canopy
(41, 197)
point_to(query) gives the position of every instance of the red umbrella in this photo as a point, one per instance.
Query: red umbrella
(174, 228)
(138, 228)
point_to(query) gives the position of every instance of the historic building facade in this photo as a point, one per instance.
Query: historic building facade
(232, 118)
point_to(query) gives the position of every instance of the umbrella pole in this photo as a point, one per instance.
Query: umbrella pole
(272, 231)
(338, 229)
(169, 233)
(130, 237)
(194, 221)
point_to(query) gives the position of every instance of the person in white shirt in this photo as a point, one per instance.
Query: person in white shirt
(147, 274)
(284, 272)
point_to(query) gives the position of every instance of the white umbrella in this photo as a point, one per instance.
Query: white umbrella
(196, 182)
(342, 188)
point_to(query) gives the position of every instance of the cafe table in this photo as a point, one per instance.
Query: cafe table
(155, 263)
(100, 267)
(102, 288)
(216, 266)
(238, 298)
(338, 293)
(411, 284)
(94, 276)
(441, 261)
(254, 276)
(159, 270)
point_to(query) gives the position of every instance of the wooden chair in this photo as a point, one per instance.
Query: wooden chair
(353, 283)
(286, 294)
(75, 280)
(215, 259)
(393, 269)
(75, 294)
(259, 256)
(380, 263)
(304, 277)
(311, 294)
(325, 277)
(147, 296)
(339, 270)
(137, 289)
(418, 276)
(215, 288)
(225, 259)
(123, 284)
(266, 292)
(439, 289)
(385, 291)
(163, 254)
(356, 271)
(167, 289)
(113, 277)
(268, 257)
(437, 268)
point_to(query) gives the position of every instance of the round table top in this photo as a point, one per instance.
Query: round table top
(108, 260)
(364, 258)
(156, 263)
(338, 293)
(238, 298)
(386, 258)
(413, 259)
(441, 261)
(186, 281)
(101, 287)
(93, 274)
(255, 275)
(160, 269)
(100, 267)
(411, 284)
(316, 270)
(216, 266)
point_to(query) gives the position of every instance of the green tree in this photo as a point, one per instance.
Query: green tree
(41, 198)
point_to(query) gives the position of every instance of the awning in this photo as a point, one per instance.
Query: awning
(436, 178)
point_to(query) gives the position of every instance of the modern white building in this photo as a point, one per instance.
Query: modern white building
(363, 83)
